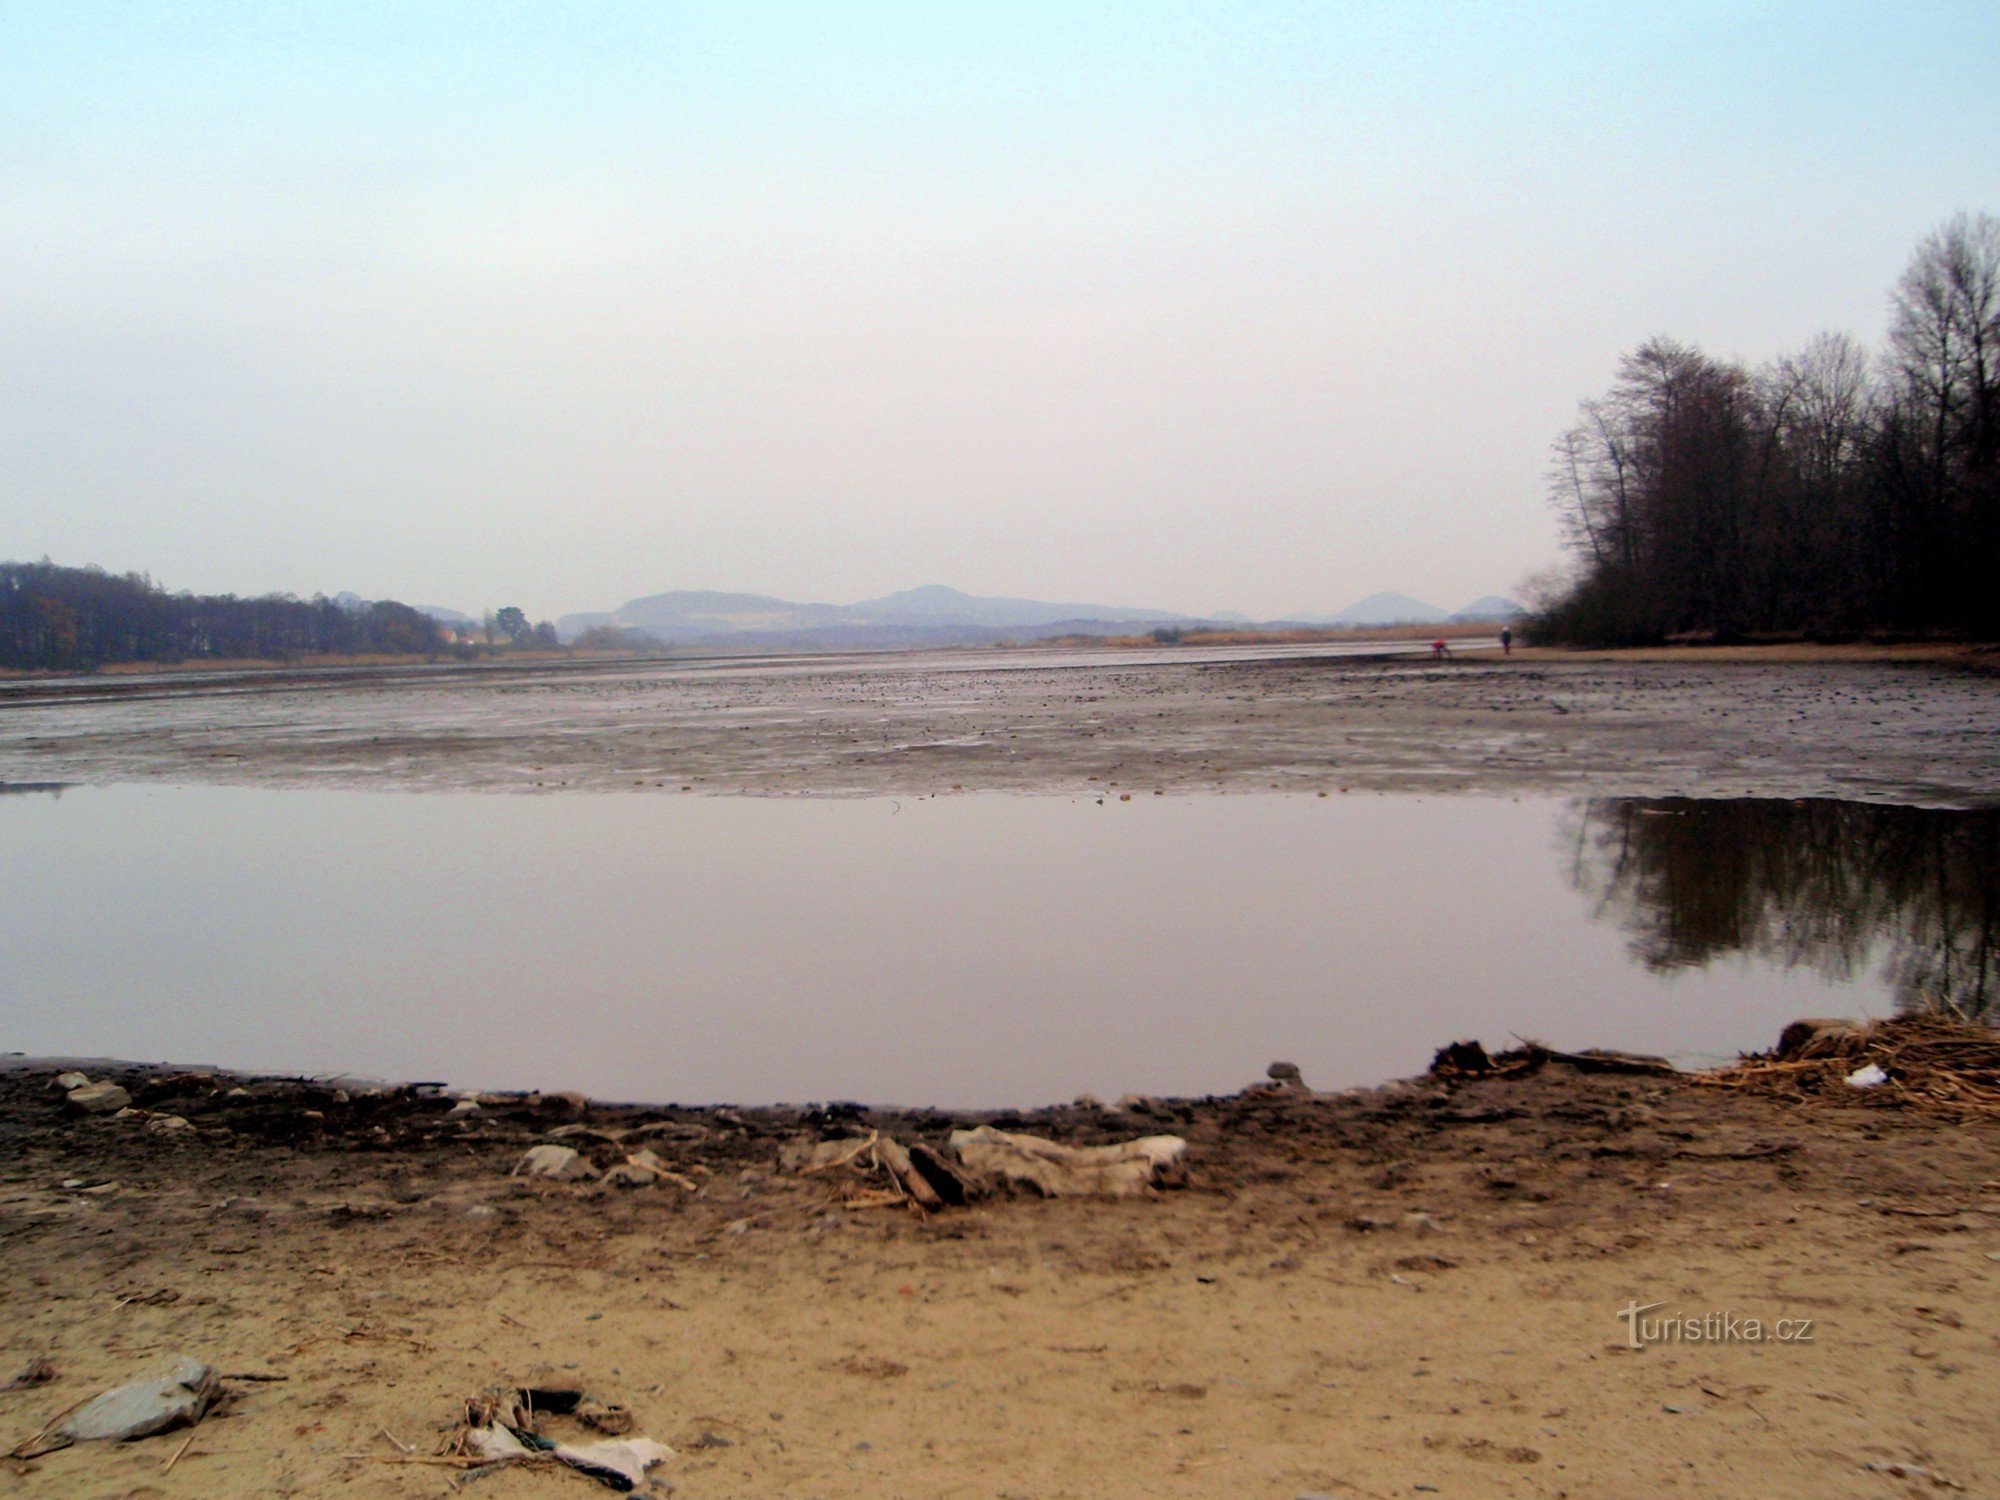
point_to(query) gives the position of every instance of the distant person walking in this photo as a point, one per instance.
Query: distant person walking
(1506, 640)
(1439, 650)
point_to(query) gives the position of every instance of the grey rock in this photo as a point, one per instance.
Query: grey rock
(67, 1081)
(175, 1397)
(562, 1163)
(99, 1098)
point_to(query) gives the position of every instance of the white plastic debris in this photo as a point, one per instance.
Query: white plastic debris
(631, 1457)
(493, 1445)
(1869, 1077)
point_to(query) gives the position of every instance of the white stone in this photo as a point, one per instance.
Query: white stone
(99, 1098)
(561, 1163)
(173, 1398)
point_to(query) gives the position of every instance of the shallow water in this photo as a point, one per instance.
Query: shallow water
(973, 950)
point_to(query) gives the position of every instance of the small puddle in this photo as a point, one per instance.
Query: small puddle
(971, 951)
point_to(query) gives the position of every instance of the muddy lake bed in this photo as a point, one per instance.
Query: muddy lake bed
(978, 878)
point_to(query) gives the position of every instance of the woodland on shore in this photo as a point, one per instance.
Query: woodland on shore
(1832, 492)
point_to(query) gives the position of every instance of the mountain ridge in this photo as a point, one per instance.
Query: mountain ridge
(937, 614)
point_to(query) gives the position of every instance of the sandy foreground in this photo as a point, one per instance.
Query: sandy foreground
(1774, 722)
(1399, 1291)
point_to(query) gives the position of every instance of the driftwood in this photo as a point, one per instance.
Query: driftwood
(1597, 1060)
(896, 1162)
(1124, 1170)
(955, 1186)
(1470, 1060)
(976, 1161)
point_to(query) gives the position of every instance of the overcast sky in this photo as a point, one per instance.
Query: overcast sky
(1255, 307)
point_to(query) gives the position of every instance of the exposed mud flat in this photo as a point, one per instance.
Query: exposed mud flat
(1369, 1293)
(1047, 722)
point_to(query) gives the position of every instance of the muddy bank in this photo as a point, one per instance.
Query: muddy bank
(1370, 1293)
(1078, 723)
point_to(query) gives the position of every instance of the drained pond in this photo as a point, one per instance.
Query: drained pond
(975, 950)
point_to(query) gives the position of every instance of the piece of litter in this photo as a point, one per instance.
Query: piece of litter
(1900, 1470)
(35, 1372)
(1869, 1077)
(630, 1457)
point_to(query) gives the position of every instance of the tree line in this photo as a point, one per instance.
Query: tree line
(71, 619)
(1834, 885)
(1833, 491)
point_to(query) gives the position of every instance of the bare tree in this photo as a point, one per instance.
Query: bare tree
(1812, 496)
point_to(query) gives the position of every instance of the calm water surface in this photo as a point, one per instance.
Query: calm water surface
(976, 950)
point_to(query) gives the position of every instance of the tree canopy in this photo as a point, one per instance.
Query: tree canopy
(76, 618)
(1830, 491)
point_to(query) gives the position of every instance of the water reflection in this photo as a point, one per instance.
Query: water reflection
(973, 950)
(1834, 886)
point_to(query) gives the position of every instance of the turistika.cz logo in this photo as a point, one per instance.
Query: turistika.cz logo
(1708, 1328)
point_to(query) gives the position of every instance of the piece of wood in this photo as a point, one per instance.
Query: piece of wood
(889, 1151)
(186, 1443)
(951, 1182)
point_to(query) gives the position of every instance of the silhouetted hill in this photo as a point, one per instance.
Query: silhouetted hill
(1488, 607)
(930, 615)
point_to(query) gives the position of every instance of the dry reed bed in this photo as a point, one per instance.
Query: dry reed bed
(1931, 1061)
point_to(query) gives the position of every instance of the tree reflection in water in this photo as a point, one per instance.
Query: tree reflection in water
(1820, 883)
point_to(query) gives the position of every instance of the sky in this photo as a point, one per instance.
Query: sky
(1256, 307)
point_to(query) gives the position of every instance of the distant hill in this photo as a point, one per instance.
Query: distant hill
(446, 616)
(1490, 607)
(931, 615)
(935, 615)
(1380, 609)
(934, 604)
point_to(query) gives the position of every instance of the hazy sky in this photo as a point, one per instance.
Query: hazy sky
(1197, 306)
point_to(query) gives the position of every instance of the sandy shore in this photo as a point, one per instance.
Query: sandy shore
(1781, 723)
(1363, 1294)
